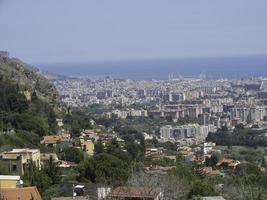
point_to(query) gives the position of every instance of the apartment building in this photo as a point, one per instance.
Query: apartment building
(15, 161)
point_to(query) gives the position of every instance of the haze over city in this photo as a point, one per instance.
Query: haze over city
(51, 32)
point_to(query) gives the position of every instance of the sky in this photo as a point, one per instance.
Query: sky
(58, 31)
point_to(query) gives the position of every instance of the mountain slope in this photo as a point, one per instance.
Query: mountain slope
(27, 77)
(29, 104)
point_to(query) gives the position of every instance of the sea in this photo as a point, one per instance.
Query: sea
(162, 69)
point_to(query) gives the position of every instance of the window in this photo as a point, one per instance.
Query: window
(14, 168)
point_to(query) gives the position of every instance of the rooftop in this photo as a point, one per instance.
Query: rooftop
(8, 177)
(26, 150)
(20, 193)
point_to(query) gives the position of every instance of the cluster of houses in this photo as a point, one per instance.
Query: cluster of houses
(205, 151)
(16, 160)
(199, 154)
(11, 188)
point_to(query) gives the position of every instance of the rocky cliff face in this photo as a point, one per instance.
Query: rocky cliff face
(29, 103)
(28, 79)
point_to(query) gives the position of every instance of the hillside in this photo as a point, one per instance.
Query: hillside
(29, 104)
(27, 77)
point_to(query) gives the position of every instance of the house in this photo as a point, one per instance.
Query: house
(47, 156)
(147, 136)
(227, 164)
(208, 147)
(135, 193)
(105, 138)
(51, 140)
(91, 134)
(88, 146)
(155, 152)
(171, 157)
(15, 161)
(20, 193)
(11, 188)
(65, 141)
(12, 164)
(7, 181)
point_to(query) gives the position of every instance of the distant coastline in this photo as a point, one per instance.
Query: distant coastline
(220, 67)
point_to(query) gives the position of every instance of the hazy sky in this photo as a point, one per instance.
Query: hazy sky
(47, 31)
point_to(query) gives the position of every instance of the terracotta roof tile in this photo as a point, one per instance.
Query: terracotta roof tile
(20, 193)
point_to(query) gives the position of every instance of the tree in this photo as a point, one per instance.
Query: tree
(75, 128)
(255, 126)
(134, 150)
(201, 188)
(72, 154)
(42, 181)
(52, 170)
(198, 170)
(212, 161)
(250, 173)
(104, 168)
(224, 129)
(171, 186)
(239, 126)
(113, 145)
(17, 102)
(35, 177)
(169, 119)
(99, 148)
(246, 183)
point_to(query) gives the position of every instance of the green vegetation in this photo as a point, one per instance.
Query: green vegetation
(22, 139)
(28, 105)
(105, 168)
(72, 154)
(77, 121)
(43, 179)
(239, 137)
(243, 153)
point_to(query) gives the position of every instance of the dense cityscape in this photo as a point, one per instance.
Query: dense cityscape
(133, 100)
(180, 138)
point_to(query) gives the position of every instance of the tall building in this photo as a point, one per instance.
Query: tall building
(194, 111)
(240, 112)
(166, 132)
(248, 114)
(256, 114)
(196, 131)
(262, 94)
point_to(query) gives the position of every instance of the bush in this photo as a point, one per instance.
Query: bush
(72, 154)
(105, 168)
